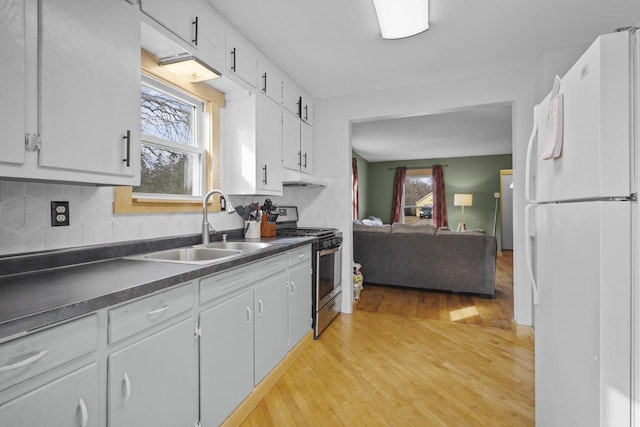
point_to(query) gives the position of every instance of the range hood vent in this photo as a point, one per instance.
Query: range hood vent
(294, 178)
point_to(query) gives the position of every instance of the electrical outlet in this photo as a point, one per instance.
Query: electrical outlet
(59, 214)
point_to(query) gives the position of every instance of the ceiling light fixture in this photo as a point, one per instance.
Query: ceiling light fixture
(402, 18)
(189, 67)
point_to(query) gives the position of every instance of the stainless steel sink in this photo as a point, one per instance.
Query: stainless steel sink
(198, 256)
(239, 246)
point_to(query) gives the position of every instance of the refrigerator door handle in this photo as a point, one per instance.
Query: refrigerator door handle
(527, 168)
(527, 250)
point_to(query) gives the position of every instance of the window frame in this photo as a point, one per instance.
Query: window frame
(199, 148)
(125, 201)
(413, 173)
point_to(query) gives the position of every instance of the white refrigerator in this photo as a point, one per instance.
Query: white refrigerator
(582, 241)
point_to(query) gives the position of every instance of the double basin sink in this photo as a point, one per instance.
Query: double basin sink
(202, 254)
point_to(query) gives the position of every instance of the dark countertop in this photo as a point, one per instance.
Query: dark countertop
(41, 297)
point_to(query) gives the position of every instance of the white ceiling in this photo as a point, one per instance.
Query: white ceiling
(334, 48)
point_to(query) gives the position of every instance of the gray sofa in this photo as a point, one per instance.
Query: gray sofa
(418, 256)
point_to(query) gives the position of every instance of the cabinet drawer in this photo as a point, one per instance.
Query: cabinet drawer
(300, 255)
(129, 319)
(235, 279)
(26, 357)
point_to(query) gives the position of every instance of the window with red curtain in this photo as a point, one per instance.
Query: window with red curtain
(354, 165)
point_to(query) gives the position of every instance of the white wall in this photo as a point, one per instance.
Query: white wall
(520, 88)
(332, 144)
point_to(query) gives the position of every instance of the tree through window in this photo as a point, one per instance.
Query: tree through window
(172, 148)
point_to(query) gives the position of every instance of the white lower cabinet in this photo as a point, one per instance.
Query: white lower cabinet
(71, 401)
(153, 382)
(299, 302)
(271, 326)
(226, 357)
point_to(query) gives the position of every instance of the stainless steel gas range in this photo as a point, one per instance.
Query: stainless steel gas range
(326, 263)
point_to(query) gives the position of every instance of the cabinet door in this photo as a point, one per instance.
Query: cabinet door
(270, 146)
(299, 302)
(291, 96)
(242, 58)
(271, 326)
(270, 80)
(211, 36)
(12, 81)
(307, 109)
(291, 154)
(178, 18)
(90, 89)
(226, 357)
(70, 401)
(153, 382)
(306, 148)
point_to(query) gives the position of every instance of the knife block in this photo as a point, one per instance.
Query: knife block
(267, 229)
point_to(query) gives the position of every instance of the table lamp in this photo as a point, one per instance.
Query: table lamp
(462, 200)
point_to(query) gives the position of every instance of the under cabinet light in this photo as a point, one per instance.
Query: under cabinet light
(190, 68)
(402, 18)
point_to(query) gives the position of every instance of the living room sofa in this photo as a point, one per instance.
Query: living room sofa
(419, 256)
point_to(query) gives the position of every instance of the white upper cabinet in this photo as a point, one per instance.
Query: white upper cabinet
(252, 147)
(291, 96)
(297, 144)
(180, 19)
(270, 80)
(242, 57)
(89, 107)
(82, 93)
(12, 114)
(306, 148)
(306, 109)
(210, 37)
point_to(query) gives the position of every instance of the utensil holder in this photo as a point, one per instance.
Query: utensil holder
(267, 229)
(252, 230)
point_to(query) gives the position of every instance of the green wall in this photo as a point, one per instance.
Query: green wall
(479, 176)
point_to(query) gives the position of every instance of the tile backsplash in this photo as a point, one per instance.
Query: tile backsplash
(25, 216)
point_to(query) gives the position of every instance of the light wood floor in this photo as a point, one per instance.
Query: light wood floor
(389, 367)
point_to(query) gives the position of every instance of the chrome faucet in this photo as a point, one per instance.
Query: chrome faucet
(206, 227)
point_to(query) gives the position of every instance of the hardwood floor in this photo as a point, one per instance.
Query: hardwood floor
(389, 366)
(460, 308)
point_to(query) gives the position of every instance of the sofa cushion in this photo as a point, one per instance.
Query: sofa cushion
(399, 227)
(386, 228)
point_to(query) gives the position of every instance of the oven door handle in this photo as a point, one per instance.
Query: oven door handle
(329, 251)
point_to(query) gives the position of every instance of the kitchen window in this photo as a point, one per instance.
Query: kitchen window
(418, 196)
(173, 144)
(180, 144)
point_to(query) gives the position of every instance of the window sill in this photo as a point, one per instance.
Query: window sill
(124, 203)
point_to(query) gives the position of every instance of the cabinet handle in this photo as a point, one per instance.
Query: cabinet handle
(127, 388)
(305, 160)
(25, 362)
(293, 287)
(195, 39)
(127, 138)
(249, 315)
(158, 311)
(260, 308)
(306, 112)
(300, 106)
(264, 88)
(264, 181)
(233, 64)
(83, 412)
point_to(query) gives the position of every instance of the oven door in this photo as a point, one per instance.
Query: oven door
(328, 276)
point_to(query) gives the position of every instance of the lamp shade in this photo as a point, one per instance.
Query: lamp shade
(402, 18)
(462, 199)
